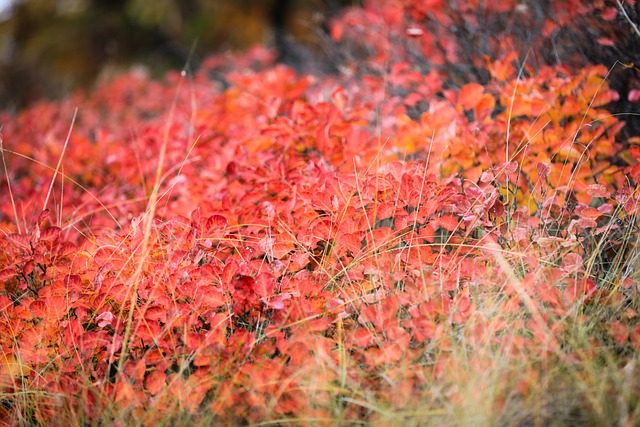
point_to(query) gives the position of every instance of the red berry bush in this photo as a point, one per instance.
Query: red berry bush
(442, 233)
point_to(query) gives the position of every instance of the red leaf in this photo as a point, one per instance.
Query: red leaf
(125, 392)
(73, 283)
(386, 210)
(28, 267)
(44, 216)
(49, 234)
(57, 307)
(572, 263)
(487, 176)
(620, 332)
(337, 31)
(7, 273)
(635, 338)
(585, 222)
(119, 293)
(136, 370)
(273, 106)
(497, 208)
(544, 169)
(66, 249)
(389, 352)
(381, 235)
(211, 297)
(448, 222)
(339, 98)
(510, 167)
(351, 242)
(634, 150)
(215, 226)
(463, 302)
(19, 241)
(597, 190)
(231, 169)
(264, 284)
(155, 382)
(361, 337)
(606, 41)
(276, 302)
(428, 233)
(104, 319)
(609, 13)
(38, 308)
(277, 246)
(634, 95)
(156, 314)
(590, 213)
(412, 99)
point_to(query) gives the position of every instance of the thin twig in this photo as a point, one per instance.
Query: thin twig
(626, 15)
(6, 172)
(64, 148)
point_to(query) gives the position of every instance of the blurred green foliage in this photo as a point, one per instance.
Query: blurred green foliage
(50, 47)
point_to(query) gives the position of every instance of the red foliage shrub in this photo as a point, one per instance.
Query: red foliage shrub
(262, 249)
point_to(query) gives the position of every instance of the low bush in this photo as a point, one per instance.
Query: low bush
(401, 243)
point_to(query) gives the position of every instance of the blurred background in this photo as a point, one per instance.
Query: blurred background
(51, 47)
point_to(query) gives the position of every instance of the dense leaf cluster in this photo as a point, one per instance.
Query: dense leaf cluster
(249, 244)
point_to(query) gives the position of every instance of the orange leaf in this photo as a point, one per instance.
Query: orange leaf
(155, 382)
(591, 213)
(428, 233)
(13, 367)
(57, 307)
(470, 95)
(485, 106)
(38, 308)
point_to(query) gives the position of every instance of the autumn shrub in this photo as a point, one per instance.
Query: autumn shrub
(385, 246)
